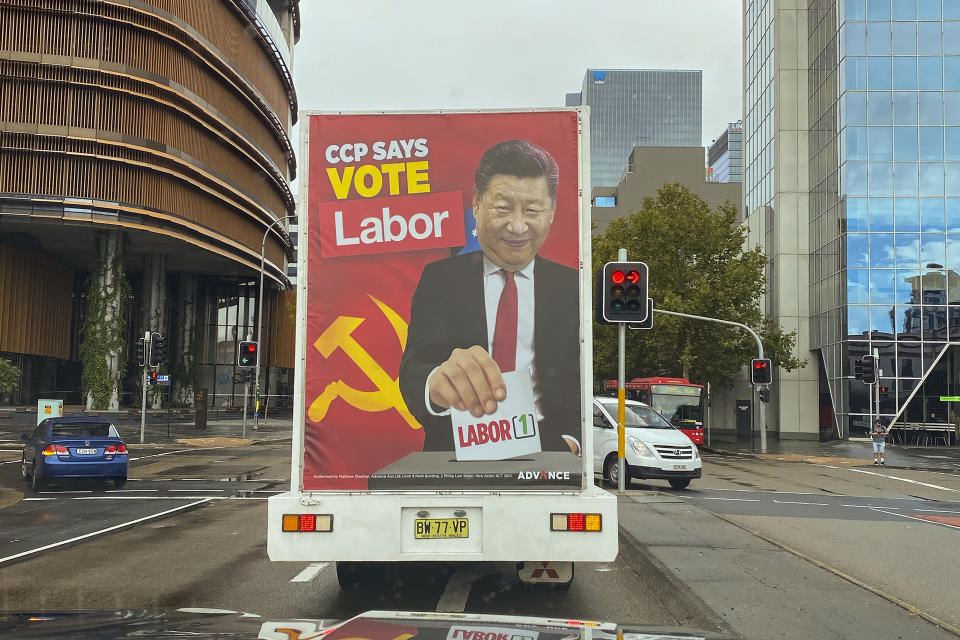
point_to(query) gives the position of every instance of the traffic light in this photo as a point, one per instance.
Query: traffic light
(248, 354)
(765, 394)
(152, 378)
(158, 349)
(622, 292)
(648, 323)
(761, 371)
(858, 368)
(870, 369)
(141, 353)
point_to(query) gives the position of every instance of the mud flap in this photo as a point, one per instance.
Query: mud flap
(545, 572)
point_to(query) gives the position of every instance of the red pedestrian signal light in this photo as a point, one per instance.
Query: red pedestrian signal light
(761, 371)
(622, 293)
(248, 354)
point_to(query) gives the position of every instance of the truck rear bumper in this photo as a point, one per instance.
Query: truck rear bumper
(501, 527)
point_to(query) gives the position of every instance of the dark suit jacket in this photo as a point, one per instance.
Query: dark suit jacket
(447, 311)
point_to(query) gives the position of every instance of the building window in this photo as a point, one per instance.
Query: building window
(605, 201)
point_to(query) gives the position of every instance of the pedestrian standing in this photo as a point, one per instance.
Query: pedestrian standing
(879, 435)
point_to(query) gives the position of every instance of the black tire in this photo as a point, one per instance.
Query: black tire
(37, 483)
(610, 471)
(680, 483)
(350, 575)
(23, 466)
(119, 483)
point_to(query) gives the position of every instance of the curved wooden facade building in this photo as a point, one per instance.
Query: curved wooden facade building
(164, 121)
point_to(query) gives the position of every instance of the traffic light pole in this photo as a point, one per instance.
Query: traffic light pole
(143, 399)
(762, 409)
(256, 384)
(621, 397)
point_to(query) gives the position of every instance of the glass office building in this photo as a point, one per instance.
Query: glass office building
(884, 166)
(637, 108)
(725, 155)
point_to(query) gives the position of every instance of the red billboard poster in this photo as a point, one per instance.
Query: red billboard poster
(442, 301)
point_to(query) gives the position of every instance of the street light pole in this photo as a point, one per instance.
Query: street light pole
(256, 384)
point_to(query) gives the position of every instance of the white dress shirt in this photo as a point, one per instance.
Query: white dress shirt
(494, 280)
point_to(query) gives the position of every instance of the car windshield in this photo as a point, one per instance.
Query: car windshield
(80, 430)
(638, 416)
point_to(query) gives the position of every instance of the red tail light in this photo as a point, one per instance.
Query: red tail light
(122, 448)
(116, 449)
(56, 450)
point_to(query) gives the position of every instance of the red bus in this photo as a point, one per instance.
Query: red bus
(679, 401)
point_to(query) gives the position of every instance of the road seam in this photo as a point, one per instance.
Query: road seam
(840, 574)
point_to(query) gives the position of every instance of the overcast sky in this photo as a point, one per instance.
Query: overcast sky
(435, 54)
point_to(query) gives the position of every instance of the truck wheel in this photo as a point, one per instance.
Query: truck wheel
(349, 575)
(610, 471)
(680, 483)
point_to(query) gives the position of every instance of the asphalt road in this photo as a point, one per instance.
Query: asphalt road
(189, 530)
(895, 531)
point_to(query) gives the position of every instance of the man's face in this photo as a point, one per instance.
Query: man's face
(513, 219)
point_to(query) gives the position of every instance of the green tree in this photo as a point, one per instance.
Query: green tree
(697, 265)
(9, 376)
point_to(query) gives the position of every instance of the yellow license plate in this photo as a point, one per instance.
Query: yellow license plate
(441, 528)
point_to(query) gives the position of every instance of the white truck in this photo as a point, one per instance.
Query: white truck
(426, 238)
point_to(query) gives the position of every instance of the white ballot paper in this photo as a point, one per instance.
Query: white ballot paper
(512, 430)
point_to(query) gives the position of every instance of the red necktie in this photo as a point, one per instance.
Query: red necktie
(505, 333)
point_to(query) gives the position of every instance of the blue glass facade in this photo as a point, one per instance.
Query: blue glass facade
(885, 201)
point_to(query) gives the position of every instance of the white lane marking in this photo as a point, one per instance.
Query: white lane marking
(10, 462)
(923, 484)
(59, 492)
(816, 504)
(130, 490)
(311, 572)
(935, 510)
(197, 490)
(25, 499)
(457, 591)
(101, 531)
(735, 499)
(147, 498)
(904, 515)
(866, 506)
(170, 453)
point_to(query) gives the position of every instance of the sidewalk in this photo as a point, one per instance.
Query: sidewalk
(165, 429)
(856, 452)
(752, 587)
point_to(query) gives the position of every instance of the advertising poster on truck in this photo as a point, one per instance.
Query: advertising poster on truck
(442, 310)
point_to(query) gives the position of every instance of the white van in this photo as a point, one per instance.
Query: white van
(655, 449)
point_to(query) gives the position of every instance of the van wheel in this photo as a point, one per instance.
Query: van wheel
(611, 471)
(680, 483)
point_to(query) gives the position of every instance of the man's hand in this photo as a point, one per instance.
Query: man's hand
(468, 380)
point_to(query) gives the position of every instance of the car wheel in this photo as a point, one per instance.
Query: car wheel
(23, 466)
(119, 483)
(37, 482)
(680, 483)
(611, 471)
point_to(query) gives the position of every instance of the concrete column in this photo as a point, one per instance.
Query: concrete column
(105, 320)
(185, 339)
(155, 309)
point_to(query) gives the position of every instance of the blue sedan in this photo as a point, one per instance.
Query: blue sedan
(73, 448)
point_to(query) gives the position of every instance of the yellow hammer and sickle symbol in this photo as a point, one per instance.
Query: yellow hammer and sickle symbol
(387, 396)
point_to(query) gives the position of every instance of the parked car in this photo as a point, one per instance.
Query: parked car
(80, 447)
(655, 449)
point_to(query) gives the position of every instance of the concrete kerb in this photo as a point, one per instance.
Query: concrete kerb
(679, 599)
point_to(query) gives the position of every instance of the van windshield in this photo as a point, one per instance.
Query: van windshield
(639, 416)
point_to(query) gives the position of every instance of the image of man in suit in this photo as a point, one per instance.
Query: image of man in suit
(477, 315)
